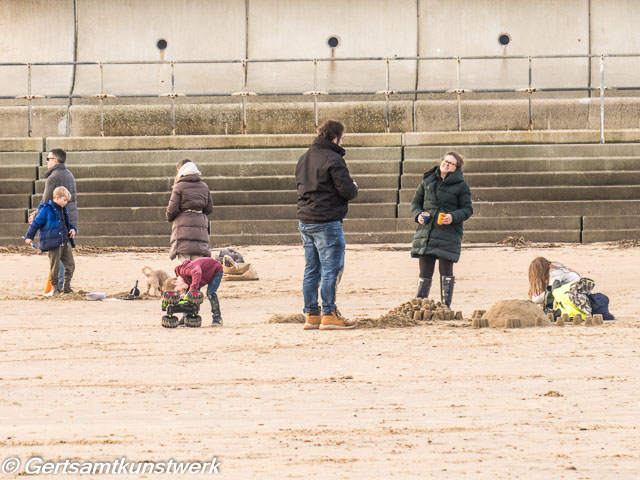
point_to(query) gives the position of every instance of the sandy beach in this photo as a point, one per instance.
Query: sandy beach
(103, 380)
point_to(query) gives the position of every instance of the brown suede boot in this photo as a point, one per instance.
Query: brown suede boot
(312, 321)
(335, 321)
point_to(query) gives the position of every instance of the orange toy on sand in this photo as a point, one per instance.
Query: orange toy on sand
(48, 287)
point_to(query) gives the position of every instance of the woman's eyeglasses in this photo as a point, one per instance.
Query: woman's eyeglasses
(450, 164)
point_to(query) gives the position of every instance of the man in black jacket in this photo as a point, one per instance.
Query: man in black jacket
(324, 190)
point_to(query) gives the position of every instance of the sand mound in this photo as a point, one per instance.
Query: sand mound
(389, 320)
(524, 310)
(515, 242)
(295, 318)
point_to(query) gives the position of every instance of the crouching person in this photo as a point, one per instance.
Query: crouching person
(195, 274)
(56, 237)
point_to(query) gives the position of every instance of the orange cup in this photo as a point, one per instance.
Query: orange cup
(441, 216)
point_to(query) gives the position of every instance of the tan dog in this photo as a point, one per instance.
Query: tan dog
(155, 280)
(169, 285)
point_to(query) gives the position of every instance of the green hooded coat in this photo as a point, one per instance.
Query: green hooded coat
(434, 195)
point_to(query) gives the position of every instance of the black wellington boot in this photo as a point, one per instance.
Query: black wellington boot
(424, 285)
(446, 289)
(215, 311)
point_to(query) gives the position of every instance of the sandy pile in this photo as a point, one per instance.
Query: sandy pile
(524, 310)
(295, 318)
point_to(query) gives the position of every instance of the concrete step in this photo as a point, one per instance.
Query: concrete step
(15, 231)
(550, 236)
(206, 142)
(294, 238)
(14, 201)
(504, 165)
(264, 197)
(352, 225)
(528, 179)
(543, 236)
(533, 194)
(593, 236)
(18, 172)
(610, 228)
(613, 222)
(14, 186)
(357, 225)
(511, 223)
(19, 159)
(546, 209)
(213, 170)
(114, 185)
(21, 144)
(96, 229)
(514, 151)
(234, 212)
(13, 215)
(172, 157)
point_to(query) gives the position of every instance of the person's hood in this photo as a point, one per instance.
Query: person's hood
(188, 168)
(320, 142)
(179, 268)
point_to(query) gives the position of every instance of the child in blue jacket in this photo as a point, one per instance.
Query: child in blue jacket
(56, 236)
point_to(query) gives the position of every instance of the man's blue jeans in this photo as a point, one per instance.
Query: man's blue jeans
(324, 261)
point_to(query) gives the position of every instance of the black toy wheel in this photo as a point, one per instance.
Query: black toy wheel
(171, 298)
(169, 321)
(193, 321)
(195, 298)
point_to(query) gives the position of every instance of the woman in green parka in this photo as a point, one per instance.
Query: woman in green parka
(442, 193)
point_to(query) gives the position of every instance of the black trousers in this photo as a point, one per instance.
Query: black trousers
(428, 264)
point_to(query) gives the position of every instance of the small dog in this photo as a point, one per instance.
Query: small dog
(169, 285)
(156, 280)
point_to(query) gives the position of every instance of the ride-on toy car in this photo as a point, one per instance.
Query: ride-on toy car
(188, 305)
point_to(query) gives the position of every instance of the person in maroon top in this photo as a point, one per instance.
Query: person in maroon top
(195, 274)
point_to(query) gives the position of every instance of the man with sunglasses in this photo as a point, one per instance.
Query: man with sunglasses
(59, 176)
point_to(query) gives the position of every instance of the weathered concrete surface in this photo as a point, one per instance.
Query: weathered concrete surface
(19, 158)
(220, 198)
(12, 186)
(486, 121)
(201, 142)
(576, 164)
(9, 215)
(501, 137)
(151, 170)
(299, 29)
(172, 157)
(517, 190)
(594, 236)
(21, 144)
(14, 201)
(477, 26)
(532, 179)
(18, 171)
(547, 208)
(556, 151)
(229, 212)
(550, 193)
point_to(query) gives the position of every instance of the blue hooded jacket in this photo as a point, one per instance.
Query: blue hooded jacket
(51, 226)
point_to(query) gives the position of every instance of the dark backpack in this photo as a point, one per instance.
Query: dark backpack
(600, 304)
(237, 256)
